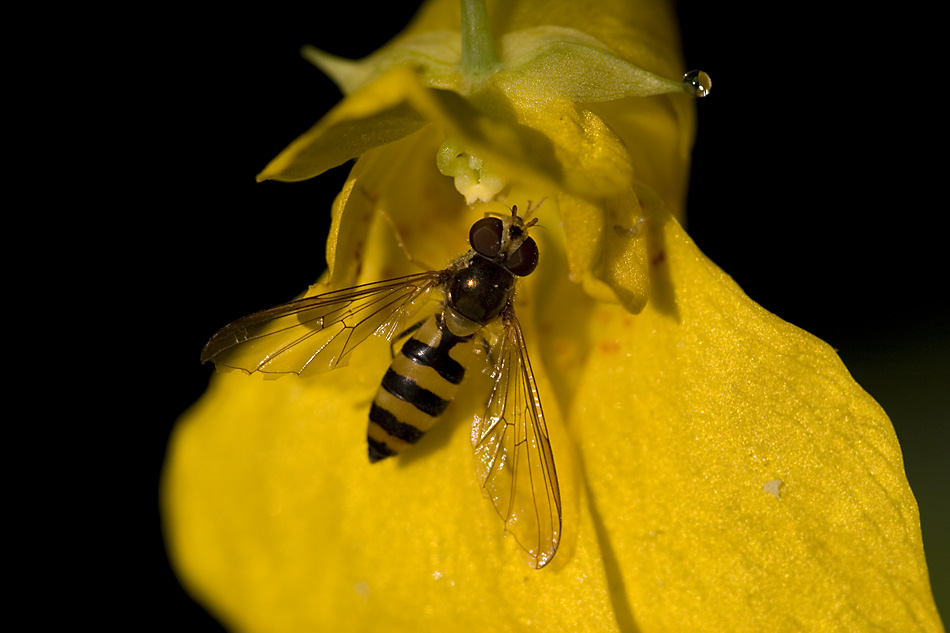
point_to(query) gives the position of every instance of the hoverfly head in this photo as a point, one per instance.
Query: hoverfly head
(506, 241)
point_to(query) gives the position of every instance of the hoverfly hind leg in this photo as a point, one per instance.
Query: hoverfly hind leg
(400, 242)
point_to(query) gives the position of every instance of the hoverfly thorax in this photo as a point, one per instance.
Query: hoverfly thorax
(501, 251)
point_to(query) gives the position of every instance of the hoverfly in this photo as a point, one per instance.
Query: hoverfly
(513, 455)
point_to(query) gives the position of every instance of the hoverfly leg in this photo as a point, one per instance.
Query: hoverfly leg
(485, 346)
(400, 242)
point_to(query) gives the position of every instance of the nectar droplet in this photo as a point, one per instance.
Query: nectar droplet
(697, 83)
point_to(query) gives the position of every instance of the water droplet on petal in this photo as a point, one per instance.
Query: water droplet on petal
(697, 83)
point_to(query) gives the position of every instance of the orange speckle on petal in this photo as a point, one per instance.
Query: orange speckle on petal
(609, 347)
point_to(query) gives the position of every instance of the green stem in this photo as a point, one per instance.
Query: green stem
(478, 49)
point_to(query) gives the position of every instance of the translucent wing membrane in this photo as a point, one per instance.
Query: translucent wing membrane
(317, 334)
(513, 456)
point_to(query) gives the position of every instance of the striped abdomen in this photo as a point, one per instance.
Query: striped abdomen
(419, 385)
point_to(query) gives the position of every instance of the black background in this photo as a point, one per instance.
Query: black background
(814, 185)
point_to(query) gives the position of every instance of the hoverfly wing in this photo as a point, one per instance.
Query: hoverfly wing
(317, 334)
(513, 455)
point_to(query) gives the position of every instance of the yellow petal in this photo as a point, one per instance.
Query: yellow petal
(658, 133)
(608, 248)
(744, 480)
(377, 115)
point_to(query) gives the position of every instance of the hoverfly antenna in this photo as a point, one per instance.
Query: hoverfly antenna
(522, 218)
(532, 208)
(514, 213)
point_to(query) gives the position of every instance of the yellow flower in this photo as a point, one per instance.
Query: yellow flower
(719, 468)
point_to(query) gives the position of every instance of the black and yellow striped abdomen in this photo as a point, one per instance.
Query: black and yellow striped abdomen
(417, 388)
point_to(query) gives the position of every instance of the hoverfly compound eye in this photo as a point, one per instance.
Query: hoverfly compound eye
(524, 260)
(485, 236)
